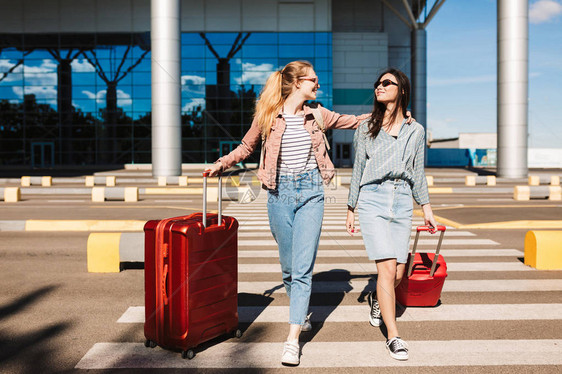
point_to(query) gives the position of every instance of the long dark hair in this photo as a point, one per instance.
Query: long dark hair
(402, 99)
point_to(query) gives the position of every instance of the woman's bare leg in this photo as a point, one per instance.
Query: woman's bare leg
(387, 272)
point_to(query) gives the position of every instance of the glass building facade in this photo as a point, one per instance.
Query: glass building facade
(85, 99)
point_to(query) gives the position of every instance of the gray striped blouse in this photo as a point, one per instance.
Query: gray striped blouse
(387, 158)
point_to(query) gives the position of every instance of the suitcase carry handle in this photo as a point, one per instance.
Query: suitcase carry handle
(165, 284)
(205, 176)
(431, 230)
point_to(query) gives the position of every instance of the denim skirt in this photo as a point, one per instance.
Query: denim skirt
(385, 216)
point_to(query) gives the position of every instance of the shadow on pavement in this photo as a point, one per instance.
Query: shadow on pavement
(33, 350)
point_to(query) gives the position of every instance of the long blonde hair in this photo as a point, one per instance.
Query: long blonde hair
(273, 95)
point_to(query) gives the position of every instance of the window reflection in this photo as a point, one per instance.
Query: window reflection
(88, 96)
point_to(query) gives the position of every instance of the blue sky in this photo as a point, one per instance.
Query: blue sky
(461, 67)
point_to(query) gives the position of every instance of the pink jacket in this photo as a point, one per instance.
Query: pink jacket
(267, 172)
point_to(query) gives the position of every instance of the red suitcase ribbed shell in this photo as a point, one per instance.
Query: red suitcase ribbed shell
(421, 289)
(191, 280)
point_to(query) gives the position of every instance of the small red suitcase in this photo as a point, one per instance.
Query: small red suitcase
(426, 275)
(191, 279)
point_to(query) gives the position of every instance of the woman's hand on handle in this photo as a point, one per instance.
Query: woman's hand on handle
(428, 218)
(350, 222)
(214, 169)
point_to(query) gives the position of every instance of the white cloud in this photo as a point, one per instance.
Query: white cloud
(123, 98)
(42, 75)
(188, 80)
(82, 66)
(255, 74)
(5, 65)
(194, 85)
(40, 80)
(40, 92)
(47, 66)
(544, 11)
(192, 104)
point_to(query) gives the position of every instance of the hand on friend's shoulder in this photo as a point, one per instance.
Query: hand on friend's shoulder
(409, 118)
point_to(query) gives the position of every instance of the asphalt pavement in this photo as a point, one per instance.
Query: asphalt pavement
(495, 313)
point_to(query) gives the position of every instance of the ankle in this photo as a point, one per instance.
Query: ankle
(392, 336)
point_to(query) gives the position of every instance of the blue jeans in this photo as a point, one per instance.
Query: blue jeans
(296, 210)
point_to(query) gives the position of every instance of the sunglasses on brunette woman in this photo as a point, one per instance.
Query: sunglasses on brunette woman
(385, 83)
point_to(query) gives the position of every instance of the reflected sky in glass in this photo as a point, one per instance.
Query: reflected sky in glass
(35, 72)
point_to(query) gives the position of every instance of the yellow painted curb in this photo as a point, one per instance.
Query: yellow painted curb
(437, 190)
(445, 221)
(523, 224)
(84, 225)
(543, 250)
(200, 180)
(526, 224)
(103, 252)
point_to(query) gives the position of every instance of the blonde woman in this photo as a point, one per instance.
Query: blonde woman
(295, 166)
(387, 172)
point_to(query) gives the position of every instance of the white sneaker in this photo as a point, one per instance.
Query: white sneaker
(397, 348)
(307, 326)
(375, 318)
(291, 353)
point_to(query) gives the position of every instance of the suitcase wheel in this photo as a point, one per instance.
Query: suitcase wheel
(149, 343)
(238, 333)
(189, 354)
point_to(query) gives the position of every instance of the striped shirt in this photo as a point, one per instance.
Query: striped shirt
(296, 155)
(387, 158)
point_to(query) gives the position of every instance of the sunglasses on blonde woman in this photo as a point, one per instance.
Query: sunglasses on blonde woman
(312, 79)
(385, 83)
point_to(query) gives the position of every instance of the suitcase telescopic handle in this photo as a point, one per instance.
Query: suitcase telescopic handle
(431, 230)
(205, 176)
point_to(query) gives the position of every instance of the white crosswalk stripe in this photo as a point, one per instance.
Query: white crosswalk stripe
(360, 313)
(325, 242)
(341, 233)
(330, 354)
(362, 253)
(356, 267)
(358, 285)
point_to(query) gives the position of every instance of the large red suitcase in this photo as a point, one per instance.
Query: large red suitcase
(191, 279)
(426, 275)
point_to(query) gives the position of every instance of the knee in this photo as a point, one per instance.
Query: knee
(387, 275)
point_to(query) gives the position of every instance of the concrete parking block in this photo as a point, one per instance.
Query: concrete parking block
(543, 250)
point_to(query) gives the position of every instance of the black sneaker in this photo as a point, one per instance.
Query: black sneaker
(397, 348)
(375, 318)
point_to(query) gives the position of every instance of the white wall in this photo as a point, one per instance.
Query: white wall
(544, 157)
(481, 140)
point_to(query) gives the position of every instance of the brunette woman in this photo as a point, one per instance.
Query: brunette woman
(388, 171)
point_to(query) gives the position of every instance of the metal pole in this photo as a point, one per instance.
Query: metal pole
(165, 39)
(513, 58)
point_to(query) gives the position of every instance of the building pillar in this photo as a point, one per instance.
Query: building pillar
(165, 37)
(419, 76)
(513, 57)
